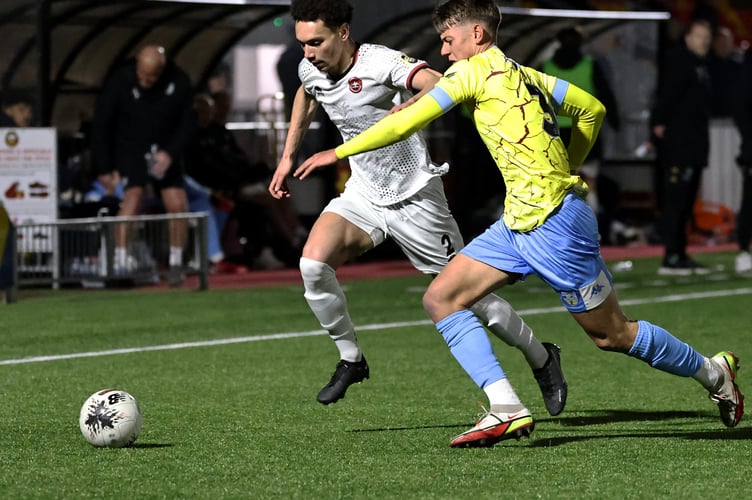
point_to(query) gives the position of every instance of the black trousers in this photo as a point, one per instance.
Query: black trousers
(744, 217)
(680, 188)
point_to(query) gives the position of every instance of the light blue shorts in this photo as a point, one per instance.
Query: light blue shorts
(564, 252)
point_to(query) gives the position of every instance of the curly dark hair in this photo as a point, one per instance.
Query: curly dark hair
(334, 13)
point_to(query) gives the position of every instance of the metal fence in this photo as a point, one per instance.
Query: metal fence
(81, 251)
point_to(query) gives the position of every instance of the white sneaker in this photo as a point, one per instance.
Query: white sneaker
(125, 268)
(267, 260)
(493, 427)
(727, 395)
(743, 263)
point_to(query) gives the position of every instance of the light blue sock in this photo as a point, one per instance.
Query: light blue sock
(661, 350)
(469, 344)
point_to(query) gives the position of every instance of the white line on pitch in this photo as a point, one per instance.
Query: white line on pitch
(378, 326)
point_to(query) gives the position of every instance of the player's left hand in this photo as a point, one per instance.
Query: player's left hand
(318, 160)
(400, 107)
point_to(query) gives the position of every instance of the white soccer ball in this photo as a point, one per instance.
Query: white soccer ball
(110, 418)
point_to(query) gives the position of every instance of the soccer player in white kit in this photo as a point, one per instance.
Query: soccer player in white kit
(393, 192)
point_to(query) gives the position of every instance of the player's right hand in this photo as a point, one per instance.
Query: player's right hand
(278, 185)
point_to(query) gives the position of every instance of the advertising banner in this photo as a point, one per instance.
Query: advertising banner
(28, 179)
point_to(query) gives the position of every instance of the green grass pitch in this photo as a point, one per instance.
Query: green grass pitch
(227, 381)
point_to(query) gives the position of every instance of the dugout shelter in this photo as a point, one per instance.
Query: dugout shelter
(63, 50)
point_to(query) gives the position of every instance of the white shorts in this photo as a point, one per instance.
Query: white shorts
(421, 225)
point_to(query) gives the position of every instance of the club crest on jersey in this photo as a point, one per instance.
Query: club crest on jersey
(356, 84)
(570, 298)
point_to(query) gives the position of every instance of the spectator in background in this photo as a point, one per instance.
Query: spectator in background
(280, 221)
(743, 116)
(680, 124)
(145, 110)
(569, 63)
(17, 110)
(724, 69)
(220, 79)
(200, 197)
(217, 161)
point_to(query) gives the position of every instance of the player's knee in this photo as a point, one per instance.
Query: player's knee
(314, 271)
(604, 344)
(434, 304)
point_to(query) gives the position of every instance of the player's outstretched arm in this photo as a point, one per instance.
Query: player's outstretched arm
(390, 129)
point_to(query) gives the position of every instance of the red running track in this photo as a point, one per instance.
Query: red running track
(392, 268)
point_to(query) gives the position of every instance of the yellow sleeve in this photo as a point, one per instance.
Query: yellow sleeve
(587, 115)
(392, 128)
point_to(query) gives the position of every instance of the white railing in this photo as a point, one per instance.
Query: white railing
(81, 251)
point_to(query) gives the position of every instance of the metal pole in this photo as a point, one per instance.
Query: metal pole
(202, 236)
(44, 47)
(11, 294)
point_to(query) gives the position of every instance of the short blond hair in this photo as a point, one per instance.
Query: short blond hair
(455, 12)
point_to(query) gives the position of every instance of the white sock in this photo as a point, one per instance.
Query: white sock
(121, 257)
(327, 301)
(504, 322)
(502, 393)
(217, 257)
(176, 256)
(708, 375)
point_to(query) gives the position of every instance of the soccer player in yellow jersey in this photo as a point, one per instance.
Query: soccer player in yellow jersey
(547, 228)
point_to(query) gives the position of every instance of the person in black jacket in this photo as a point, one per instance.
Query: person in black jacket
(743, 117)
(143, 120)
(680, 120)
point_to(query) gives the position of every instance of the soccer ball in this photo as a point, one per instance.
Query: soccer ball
(110, 418)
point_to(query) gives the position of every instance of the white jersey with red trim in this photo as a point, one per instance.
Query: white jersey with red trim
(378, 79)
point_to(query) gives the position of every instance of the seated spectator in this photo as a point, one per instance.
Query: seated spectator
(18, 109)
(216, 161)
(199, 200)
(98, 193)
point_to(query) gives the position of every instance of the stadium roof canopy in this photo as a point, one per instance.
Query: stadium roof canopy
(64, 49)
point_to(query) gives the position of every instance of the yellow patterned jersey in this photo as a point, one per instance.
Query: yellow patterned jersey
(514, 110)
